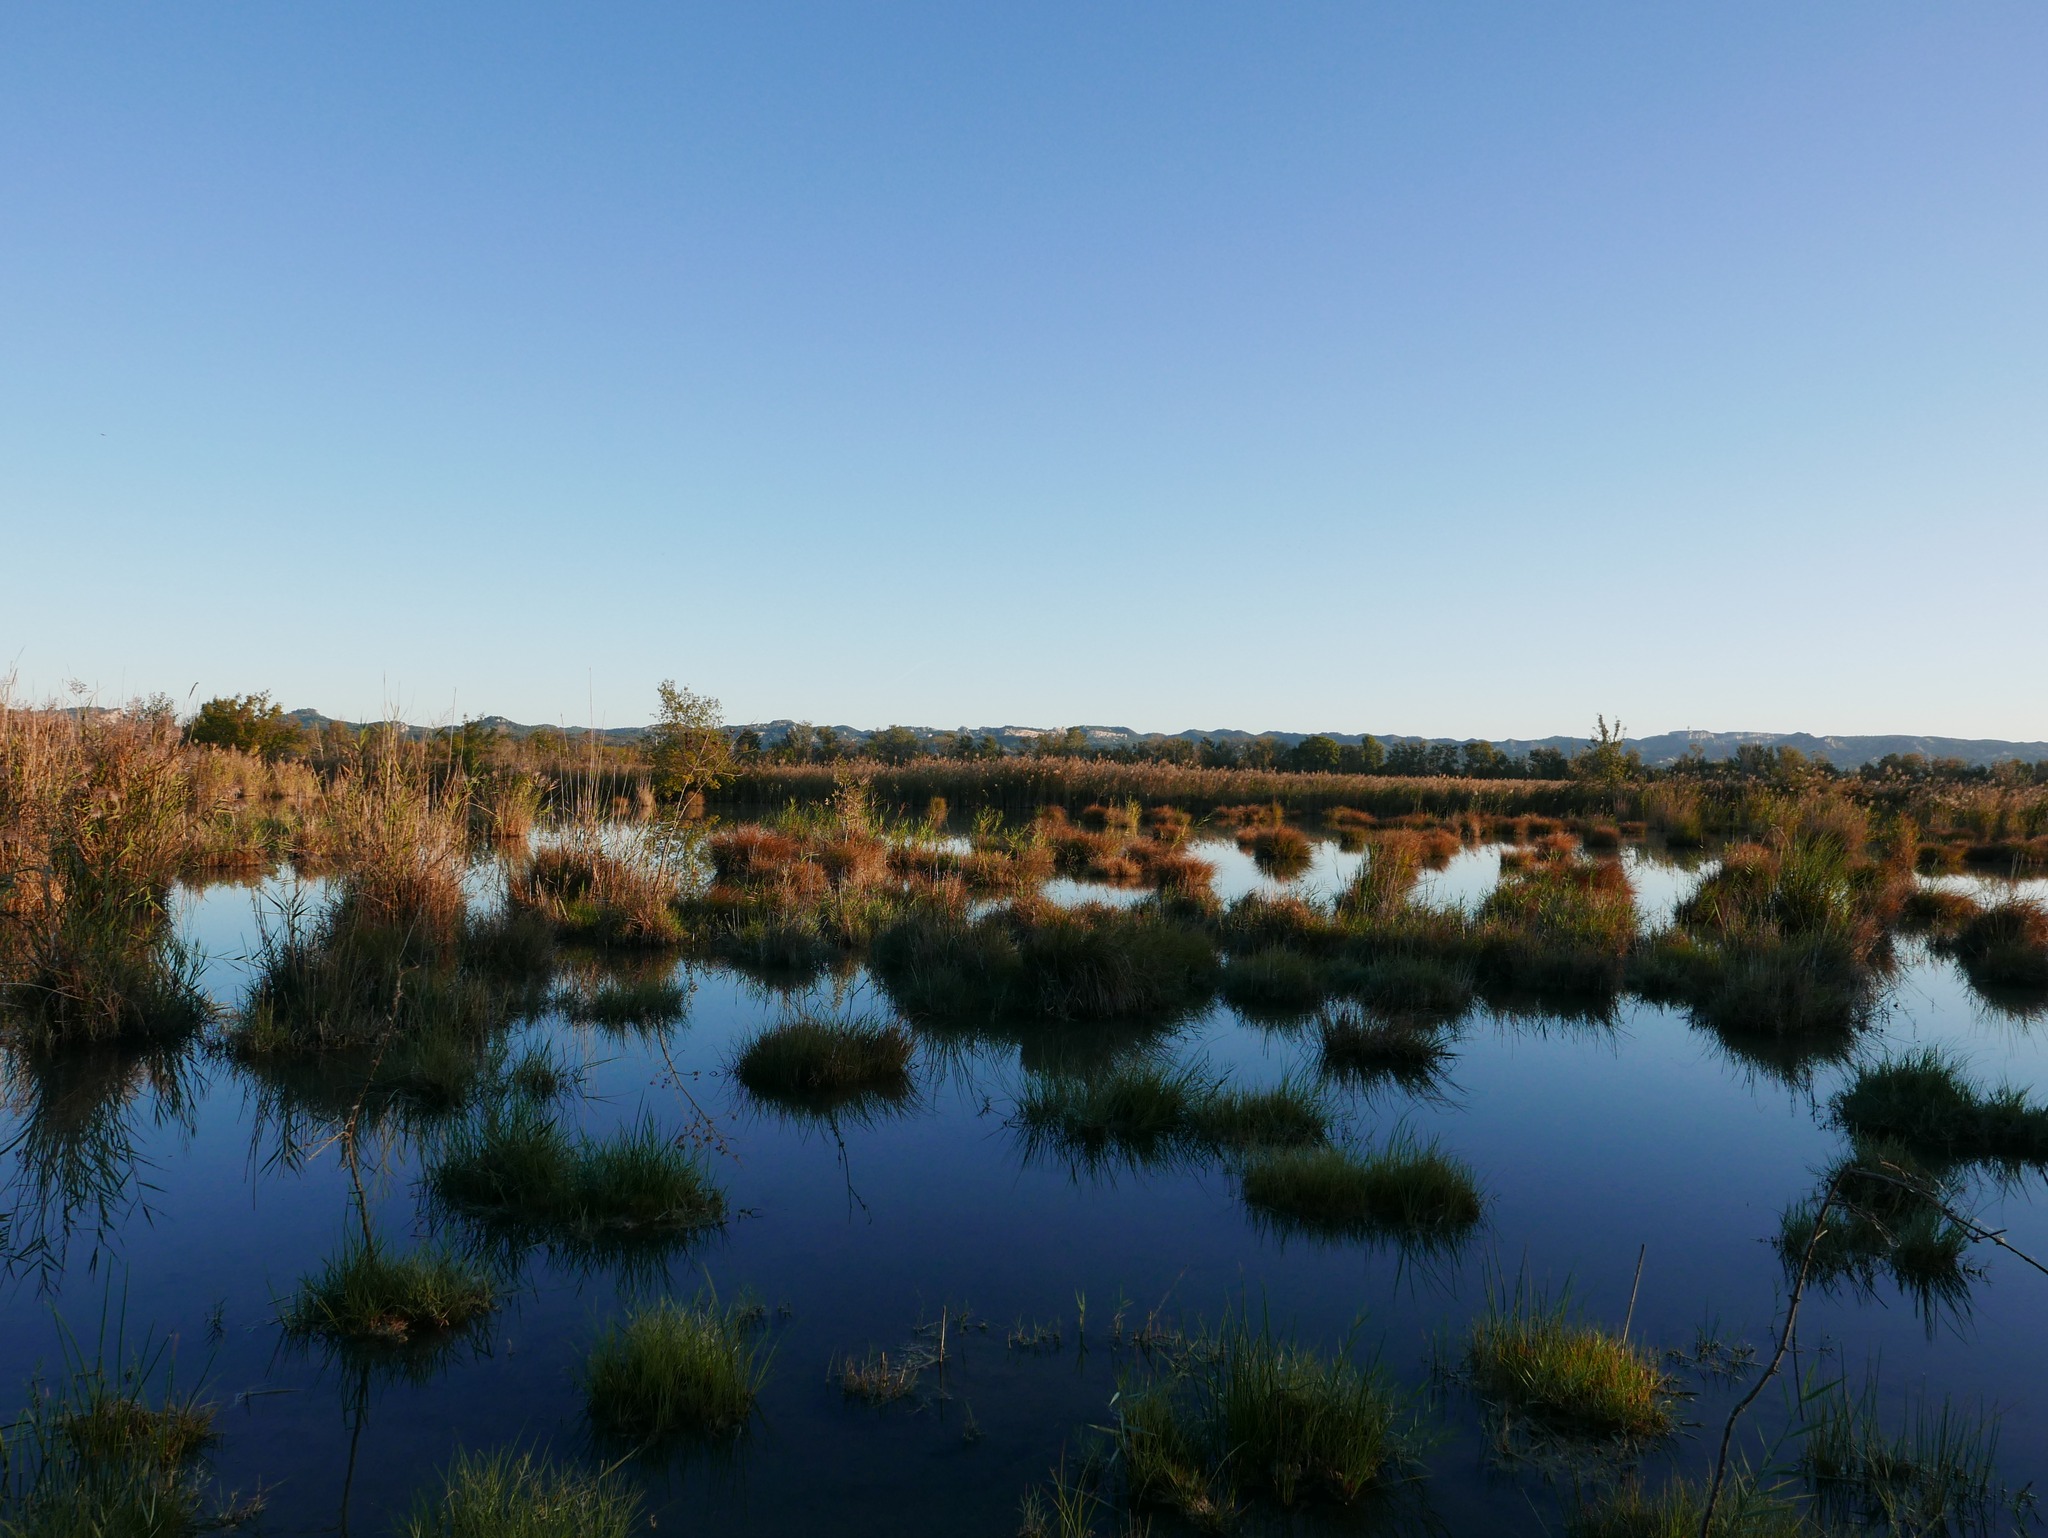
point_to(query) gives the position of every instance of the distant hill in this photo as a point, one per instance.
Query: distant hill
(1664, 748)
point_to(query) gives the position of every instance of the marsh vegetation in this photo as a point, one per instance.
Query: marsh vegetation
(478, 1055)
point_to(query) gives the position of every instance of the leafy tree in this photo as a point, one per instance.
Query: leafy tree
(796, 744)
(1548, 764)
(1607, 760)
(249, 723)
(895, 745)
(1316, 754)
(1483, 761)
(687, 745)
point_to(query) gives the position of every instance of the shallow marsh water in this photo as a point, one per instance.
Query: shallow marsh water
(1594, 1141)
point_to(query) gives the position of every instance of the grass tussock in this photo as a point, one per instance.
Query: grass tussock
(1533, 1359)
(519, 1495)
(1405, 1190)
(1924, 1102)
(94, 815)
(817, 1060)
(1367, 1050)
(100, 1453)
(370, 1296)
(2004, 946)
(1146, 1111)
(619, 892)
(673, 1370)
(1562, 926)
(1278, 850)
(1029, 960)
(1243, 1414)
(514, 1170)
(1273, 983)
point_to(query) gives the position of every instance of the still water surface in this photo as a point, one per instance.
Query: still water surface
(1594, 1141)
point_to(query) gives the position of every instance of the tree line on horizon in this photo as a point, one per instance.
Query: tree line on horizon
(689, 728)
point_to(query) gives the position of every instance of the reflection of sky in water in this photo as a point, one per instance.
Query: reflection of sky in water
(1592, 1141)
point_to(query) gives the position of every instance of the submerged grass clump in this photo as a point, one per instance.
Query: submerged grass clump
(1534, 1359)
(369, 1296)
(813, 1059)
(673, 1370)
(1405, 1190)
(625, 1003)
(1937, 1473)
(1289, 1114)
(518, 1495)
(1745, 1510)
(1246, 1414)
(514, 1170)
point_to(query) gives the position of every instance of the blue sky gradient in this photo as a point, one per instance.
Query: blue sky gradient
(1445, 369)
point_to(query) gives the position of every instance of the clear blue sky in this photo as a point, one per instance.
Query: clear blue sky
(1432, 368)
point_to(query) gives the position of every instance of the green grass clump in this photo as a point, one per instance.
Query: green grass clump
(516, 1495)
(676, 1370)
(1936, 1474)
(1036, 960)
(1571, 1377)
(367, 1295)
(99, 1455)
(2005, 946)
(1404, 1189)
(1366, 1050)
(812, 1059)
(1923, 1102)
(1142, 1111)
(514, 1170)
(1287, 1114)
(1248, 1414)
(1412, 987)
(1281, 852)
(1557, 926)
(1146, 1111)
(1273, 981)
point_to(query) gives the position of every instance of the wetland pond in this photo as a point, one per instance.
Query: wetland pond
(178, 1202)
